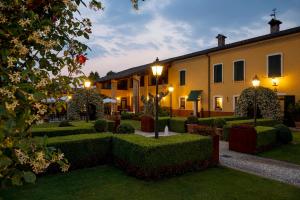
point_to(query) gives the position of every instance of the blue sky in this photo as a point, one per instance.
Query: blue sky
(124, 38)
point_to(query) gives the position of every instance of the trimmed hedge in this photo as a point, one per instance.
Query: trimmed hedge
(62, 131)
(266, 137)
(152, 158)
(162, 123)
(210, 120)
(177, 124)
(84, 150)
(284, 134)
(110, 126)
(100, 125)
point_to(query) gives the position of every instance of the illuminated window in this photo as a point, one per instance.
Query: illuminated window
(218, 103)
(182, 102)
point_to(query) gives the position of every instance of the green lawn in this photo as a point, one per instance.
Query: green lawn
(289, 152)
(106, 182)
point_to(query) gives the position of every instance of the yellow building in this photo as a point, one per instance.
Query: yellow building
(216, 76)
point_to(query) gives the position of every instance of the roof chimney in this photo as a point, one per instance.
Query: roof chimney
(274, 23)
(221, 40)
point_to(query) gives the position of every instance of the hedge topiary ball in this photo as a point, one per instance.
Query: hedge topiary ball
(125, 129)
(100, 125)
(283, 133)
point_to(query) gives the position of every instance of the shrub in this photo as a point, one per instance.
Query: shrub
(177, 125)
(284, 134)
(219, 122)
(162, 123)
(266, 137)
(62, 131)
(100, 125)
(226, 130)
(152, 158)
(64, 123)
(84, 150)
(125, 129)
(192, 120)
(127, 115)
(110, 126)
(259, 122)
(163, 111)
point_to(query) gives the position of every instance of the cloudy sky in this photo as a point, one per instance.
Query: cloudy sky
(124, 38)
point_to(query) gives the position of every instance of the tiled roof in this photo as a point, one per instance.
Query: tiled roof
(143, 68)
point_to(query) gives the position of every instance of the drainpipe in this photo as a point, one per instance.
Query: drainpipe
(208, 84)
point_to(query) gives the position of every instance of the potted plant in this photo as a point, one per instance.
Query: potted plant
(192, 124)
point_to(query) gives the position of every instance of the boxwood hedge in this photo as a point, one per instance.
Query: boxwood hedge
(266, 137)
(62, 131)
(178, 124)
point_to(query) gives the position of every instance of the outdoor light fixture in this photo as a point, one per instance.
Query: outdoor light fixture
(255, 83)
(157, 69)
(275, 82)
(69, 97)
(87, 84)
(171, 89)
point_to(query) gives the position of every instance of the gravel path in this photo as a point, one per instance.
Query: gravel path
(273, 169)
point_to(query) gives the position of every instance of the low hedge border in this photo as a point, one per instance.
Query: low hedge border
(177, 124)
(142, 157)
(62, 131)
(168, 156)
(259, 122)
(265, 138)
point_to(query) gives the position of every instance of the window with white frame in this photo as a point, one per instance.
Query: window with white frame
(182, 101)
(234, 101)
(274, 65)
(218, 73)
(239, 70)
(218, 103)
(182, 74)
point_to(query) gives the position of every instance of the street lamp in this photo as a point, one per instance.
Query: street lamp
(69, 97)
(87, 85)
(255, 83)
(171, 89)
(156, 71)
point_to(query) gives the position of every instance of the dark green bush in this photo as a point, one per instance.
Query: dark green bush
(64, 123)
(84, 150)
(125, 129)
(100, 125)
(177, 125)
(226, 130)
(219, 122)
(62, 131)
(110, 126)
(127, 115)
(162, 123)
(259, 122)
(266, 137)
(163, 111)
(192, 120)
(284, 134)
(152, 158)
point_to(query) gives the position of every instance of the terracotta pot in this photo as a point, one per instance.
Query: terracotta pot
(147, 123)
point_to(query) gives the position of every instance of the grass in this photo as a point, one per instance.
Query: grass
(136, 124)
(288, 152)
(107, 182)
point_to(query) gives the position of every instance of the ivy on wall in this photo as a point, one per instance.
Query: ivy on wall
(78, 103)
(267, 103)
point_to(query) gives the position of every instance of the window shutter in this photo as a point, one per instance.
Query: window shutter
(182, 77)
(274, 67)
(218, 73)
(239, 71)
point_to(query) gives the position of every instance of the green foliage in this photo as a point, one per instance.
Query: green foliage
(267, 102)
(125, 128)
(163, 111)
(84, 150)
(177, 125)
(266, 136)
(226, 130)
(100, 125)
(156, 158)
(110, 126)
(162, 123)
(192, 120)
(127, 115)
(219, 122)
(149, 103)
(62, 131)
(65, 123)
(209, 121)
(284, 134)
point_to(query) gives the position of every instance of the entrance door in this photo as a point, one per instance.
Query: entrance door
(123, 103)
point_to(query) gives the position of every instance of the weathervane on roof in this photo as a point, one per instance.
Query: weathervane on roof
(273, 15)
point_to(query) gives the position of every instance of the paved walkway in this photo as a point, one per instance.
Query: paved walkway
(273, 169)
(145, 134)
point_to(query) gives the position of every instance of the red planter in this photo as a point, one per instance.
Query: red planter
(242, 139)
(216, 147)
(192, 128)
(147, 124)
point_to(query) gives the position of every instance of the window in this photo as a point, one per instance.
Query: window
(275, 65)
(122, 84)
(142, 81)
(234, 101)
(218, 103)
(182, 77)
(182, 102)
(238, 70)
(218, 73)
(131, 83)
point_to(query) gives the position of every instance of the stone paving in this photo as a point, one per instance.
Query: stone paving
(269, 168)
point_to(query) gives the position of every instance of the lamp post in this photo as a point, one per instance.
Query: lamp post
(171, 89)
(87, 85)
(255, 83)
(69, 97)
(156, 71)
